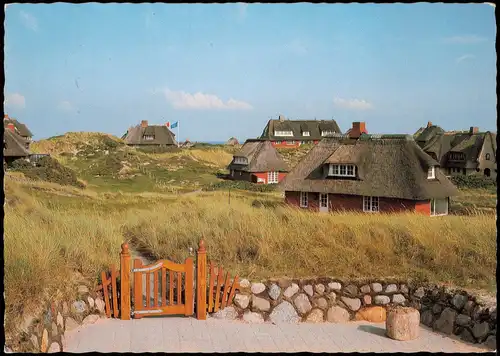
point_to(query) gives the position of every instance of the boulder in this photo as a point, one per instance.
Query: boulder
(352, 303)
(260, 304)
(258, 288)
(54, 331)
(319, 288)
(351, 290)
(99, 304)
(60, 320)
(491, 342)
(71, 324)
(332, 296)
(321, 303)
(90, 319)
(78, 307)
(391, 288)
(228, 313)
(372, 314)
(480, 330)
(290, 291)
(469, 307)
(274, 291)
(427, 318)
(365, 289)
(446, 321)
(244, 283)
(309, 290)
(403, 324)
(463, 320)
(54, 347)
(284, 313)
(459, 301)
(315, 316)
(377, 287)
(382, 299)
(367, 299)
(91, 302)
(337, 315)
(83, 289)
(252, 317)
(242, 300)
(335, 286)
(420, 292)
(302, 303)
(34, 342)
(466, 335)
(45, 341)
(398, 299)
(404, 289)
(437, 309)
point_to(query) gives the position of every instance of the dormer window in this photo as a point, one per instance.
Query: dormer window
(240, 160)
(457, 156)
(487, 157)
(283, 133)
(342, 170)
(306, 133)
(326, 133)
(148, 137)
(431, 173)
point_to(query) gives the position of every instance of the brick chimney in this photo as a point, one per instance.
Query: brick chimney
(358, 128)
(473, 130)
(11, 127)
(144, 123)
(167, 124)
(429, 124)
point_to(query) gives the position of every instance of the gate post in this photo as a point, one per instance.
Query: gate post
(201, 282)
(125, 283)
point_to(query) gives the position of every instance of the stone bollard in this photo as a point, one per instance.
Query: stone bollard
(403, 323)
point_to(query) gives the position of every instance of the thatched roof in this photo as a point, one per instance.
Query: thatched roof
(232, 141)
(21, 129)
(14, 145)
(161, 133)
(314, 127)
(392, 166)
(260, 156)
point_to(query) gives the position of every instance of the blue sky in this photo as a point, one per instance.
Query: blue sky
(224, 70)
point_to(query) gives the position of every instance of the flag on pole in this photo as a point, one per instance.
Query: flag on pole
(174, 125)
(168, 124)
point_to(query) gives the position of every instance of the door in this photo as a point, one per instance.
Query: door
(323, 203)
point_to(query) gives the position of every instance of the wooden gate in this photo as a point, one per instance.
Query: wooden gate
(168, 288)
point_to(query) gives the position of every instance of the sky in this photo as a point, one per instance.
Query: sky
(224, 70)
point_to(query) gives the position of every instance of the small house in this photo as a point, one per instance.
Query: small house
(232, 142)
(149, 135)
(368, 173)
(14, 147)
(258, 162)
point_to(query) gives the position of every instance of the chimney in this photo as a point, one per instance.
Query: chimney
(358, 128)
(11, 127)
(473, 130)
(429, 124)
(282, 118)
(144, 123)
(167, 124)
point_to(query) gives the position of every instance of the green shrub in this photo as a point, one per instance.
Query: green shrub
(243, 185)
(159, 149)
(474, 182)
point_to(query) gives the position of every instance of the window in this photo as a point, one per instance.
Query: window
(303, 199)
(149, 137)
(431, 173)
(240, 160)
(306, 133)
(325, 133)
(342, 170)
(278, 142)
(283, 133)
(370, 204)
(290, 142)
(439, 207)
(487, 157)
(232, 173)
(272, 177)
(457, 156)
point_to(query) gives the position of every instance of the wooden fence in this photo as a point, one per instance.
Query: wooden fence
(170, 290)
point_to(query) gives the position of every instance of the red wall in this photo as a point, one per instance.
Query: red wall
(263, 175)
(341, 202)
(423, 207)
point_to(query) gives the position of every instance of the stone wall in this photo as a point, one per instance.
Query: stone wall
(45, 332)
(327, 300)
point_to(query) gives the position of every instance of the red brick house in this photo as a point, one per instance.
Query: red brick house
(368, 173)
(293, 133)
(258, 162)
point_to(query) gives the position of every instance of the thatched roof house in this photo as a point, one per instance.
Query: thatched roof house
(460, 152)
(258, 161)
(293, 133)
(232, 142)
(19, 128)
(368, 173)
(149, 135)
(14, 145)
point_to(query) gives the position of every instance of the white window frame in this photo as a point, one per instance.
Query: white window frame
(325, 133)
(342, 170)
(433, 207)
(148, 137)
(272, 177)
(371, 204)
(304, 200)
(431, 173)
(283, 133)
(306, 133)
(240, 160)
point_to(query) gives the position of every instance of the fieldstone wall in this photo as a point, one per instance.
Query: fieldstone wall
(329, 300)
(45, 333)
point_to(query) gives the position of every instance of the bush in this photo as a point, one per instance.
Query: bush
(159, 149)
(474, 182)
(243, 185)
(48, 169)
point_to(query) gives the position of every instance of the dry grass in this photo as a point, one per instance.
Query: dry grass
(215, 157)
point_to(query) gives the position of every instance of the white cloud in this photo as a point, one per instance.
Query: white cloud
(297, 47)
(65, 106)
(15, 100)
(465, 57)
(465, 39)
(352, 104)
(200, 101)
(29, 21)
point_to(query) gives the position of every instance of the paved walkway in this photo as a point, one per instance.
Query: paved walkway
(173, 334)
